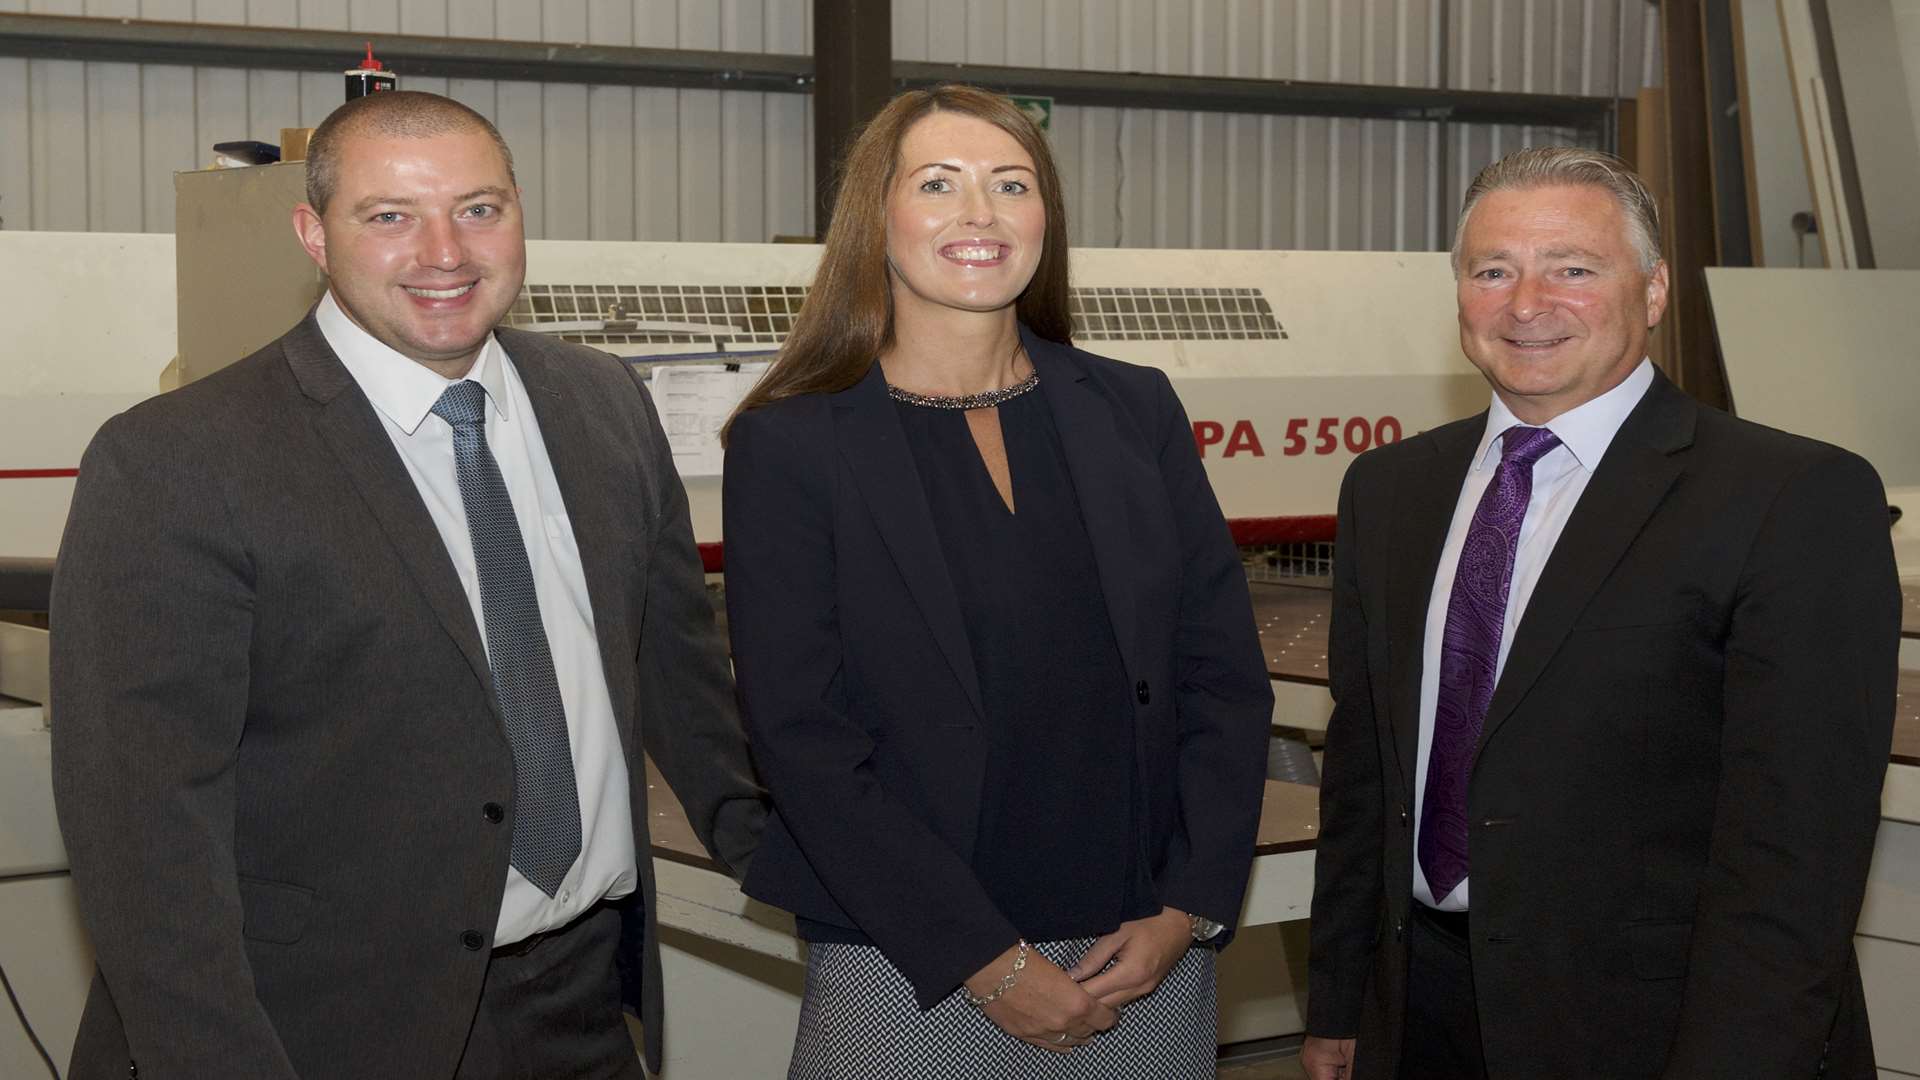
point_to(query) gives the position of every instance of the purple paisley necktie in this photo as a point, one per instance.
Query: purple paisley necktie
(1470, 653)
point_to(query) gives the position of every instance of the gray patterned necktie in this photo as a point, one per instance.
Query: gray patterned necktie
(1470, 653)
(546, 823)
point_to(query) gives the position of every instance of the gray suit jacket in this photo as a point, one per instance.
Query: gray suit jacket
(275, 729)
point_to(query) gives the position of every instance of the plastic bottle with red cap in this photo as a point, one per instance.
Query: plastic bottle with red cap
(371, 77)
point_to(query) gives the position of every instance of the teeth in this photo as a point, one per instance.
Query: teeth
(439, 294)
(974, 254)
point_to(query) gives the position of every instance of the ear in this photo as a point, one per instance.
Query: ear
(1656, 294)
(311, 233)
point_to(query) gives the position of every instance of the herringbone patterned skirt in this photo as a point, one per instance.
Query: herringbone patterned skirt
(858, 1021)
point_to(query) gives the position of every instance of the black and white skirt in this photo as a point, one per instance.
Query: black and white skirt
(858, 1021)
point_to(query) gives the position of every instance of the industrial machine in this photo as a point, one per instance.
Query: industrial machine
(1288, 363)
(1284, 369)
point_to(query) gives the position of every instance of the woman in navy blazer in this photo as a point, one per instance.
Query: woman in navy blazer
(994, 644)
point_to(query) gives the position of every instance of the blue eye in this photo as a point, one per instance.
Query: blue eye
(1013, 187)
(387, 217)
(481, 210)
(937, 184)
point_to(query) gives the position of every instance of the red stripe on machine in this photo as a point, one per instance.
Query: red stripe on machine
(37, 474)
(1302, 529)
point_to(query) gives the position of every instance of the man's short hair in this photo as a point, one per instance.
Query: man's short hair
(1554, 166)
(404, 114)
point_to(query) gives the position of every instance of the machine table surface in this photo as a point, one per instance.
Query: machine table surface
(1293, 636)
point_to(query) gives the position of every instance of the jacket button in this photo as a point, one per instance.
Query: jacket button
(1141, 693)
(493, 812)
(1403, 816)
(133, 1069)
(1399, 930)
(472, 940)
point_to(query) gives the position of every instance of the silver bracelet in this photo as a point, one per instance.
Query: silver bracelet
(1007, 981)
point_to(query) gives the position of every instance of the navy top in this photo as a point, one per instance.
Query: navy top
(1058, 846)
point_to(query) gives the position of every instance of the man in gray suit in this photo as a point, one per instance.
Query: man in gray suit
(357, 644)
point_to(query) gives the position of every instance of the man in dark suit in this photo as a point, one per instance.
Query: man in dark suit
(357, 644)
(1614, 682)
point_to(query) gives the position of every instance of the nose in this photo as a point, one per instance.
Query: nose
(441, 245)
(979, 207)
(1529, 298)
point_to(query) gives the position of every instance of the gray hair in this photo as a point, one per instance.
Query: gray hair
(1551, 166)
(406, 114)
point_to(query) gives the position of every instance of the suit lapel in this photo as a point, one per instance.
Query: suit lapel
(606, 550)
(1096, 459)
(1640, 466)
(1424, 498)
(874, 446)
(346, 422)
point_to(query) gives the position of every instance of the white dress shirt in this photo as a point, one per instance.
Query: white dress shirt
(403, 393)
(1559, 478)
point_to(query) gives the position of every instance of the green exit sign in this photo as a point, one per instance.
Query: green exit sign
(1038, 109)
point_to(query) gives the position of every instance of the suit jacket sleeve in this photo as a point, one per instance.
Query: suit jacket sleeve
(1223, 697)
(904, 886)
(689, 719)
(1811, 664)
(1348, 883)
(151, 632)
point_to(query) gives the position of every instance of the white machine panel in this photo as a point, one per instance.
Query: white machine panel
(1826, 353)
(1288, 362)
(90, 327)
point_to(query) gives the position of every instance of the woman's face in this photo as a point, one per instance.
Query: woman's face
(965, 221)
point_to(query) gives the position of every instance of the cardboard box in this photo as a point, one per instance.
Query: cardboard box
(242, 277)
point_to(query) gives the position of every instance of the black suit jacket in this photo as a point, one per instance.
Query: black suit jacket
(275, 727)
(858, 683)
(1677, 787)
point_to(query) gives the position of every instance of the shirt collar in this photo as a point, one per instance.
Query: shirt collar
(404, 391)
(1585, 430)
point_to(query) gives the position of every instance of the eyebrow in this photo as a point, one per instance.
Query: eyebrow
(956, 168)
(372, 201)
(1551, 253)
(1574, 252)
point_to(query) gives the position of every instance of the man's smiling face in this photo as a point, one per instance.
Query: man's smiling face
(423, 242)
(1554, 302)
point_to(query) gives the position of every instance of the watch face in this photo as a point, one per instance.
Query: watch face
(1205, 929)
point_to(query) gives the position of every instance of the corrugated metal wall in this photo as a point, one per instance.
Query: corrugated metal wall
(94, 146)
(1145, 178)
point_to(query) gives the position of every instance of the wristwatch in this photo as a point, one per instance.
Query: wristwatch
(1204, 929)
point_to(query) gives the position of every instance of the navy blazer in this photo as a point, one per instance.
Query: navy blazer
(859, 692)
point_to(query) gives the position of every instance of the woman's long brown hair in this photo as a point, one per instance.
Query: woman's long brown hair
(847, 320)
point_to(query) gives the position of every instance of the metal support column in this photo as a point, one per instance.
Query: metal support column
(853, 79)
(1695, 360)
(1726, 148)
